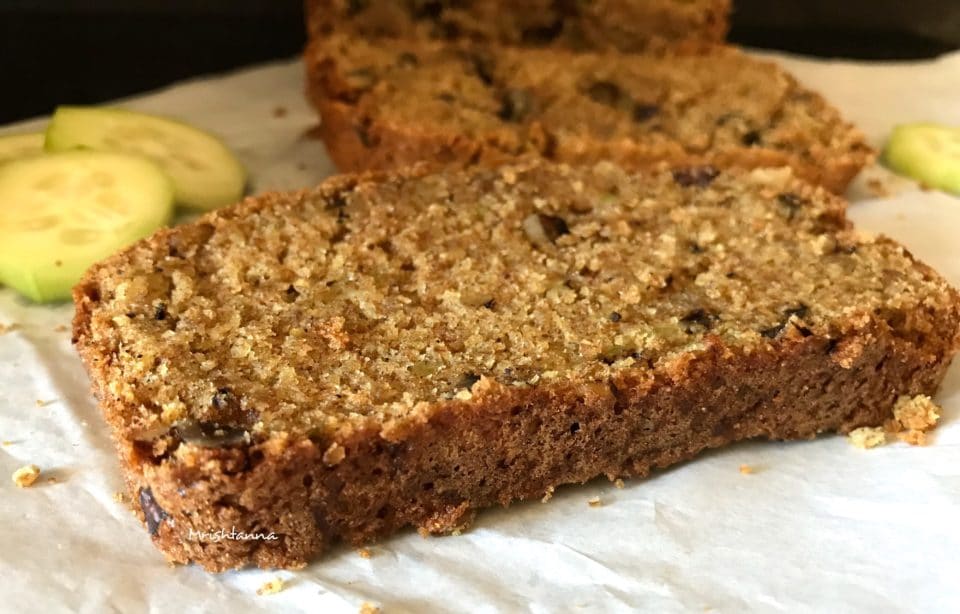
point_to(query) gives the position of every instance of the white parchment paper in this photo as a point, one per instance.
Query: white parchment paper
(819, 526)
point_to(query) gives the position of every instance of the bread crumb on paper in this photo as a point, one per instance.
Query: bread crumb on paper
(878, 188)
(914, 438)
(912, 418)
(594, 502)
(368, 608)
(119, 497)
(917, 413)
(746, 469)
(547, 495)
(42, 403)
(25, 476)
(271, 587)
(618, 483)
(364, 553)
(867, 437)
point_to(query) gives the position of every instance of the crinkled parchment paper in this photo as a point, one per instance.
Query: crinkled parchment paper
(817, 526)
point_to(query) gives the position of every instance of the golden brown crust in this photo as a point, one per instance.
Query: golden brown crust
(838, 363)
(703, 108)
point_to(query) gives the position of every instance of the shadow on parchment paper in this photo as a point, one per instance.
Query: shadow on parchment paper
(950, 388)
(73, 388)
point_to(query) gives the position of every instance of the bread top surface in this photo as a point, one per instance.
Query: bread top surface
(383, 297)
(605, 24)
(720, 102)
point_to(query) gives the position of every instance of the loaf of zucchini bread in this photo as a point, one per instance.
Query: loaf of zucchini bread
(403, 349)
(627, 25)
(385, 104)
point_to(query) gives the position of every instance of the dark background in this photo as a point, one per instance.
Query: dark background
(63, 51)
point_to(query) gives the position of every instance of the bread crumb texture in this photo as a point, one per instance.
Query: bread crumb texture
(26, 476)
(334, 454)
(368, 608)
(382, 300)
(271, 587)
(746, 469)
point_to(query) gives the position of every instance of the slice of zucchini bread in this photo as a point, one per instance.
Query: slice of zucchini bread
(402, 349)
(387, 104)
(626, 25)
